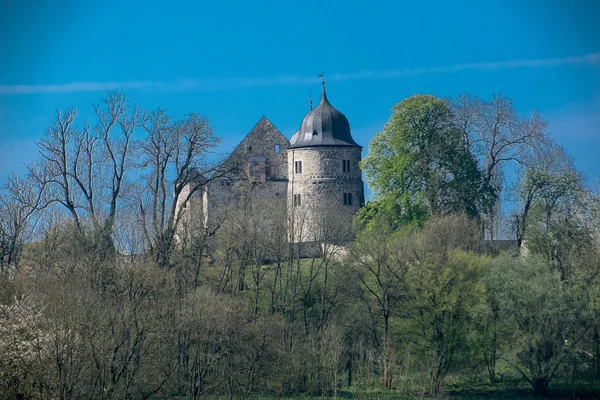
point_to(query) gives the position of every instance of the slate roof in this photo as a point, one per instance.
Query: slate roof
(323, 126)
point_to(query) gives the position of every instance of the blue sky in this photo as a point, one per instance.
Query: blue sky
(239, 60)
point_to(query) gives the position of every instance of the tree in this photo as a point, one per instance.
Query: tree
(23, 197)
(84, 168)
(492, 331)
(496, 135)
(444, 290)
(556, 211)
(22, 344)
(421, 164)
(174, 160)
(378, 263)
(549, 317)
(543, 166)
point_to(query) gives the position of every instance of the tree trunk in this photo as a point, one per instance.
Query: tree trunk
(540, 387)
(349, 368)
(387, 373)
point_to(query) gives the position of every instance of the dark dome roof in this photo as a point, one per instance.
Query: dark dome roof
(323, 126)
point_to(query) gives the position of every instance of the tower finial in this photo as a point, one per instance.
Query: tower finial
(322, 76)
(310, 99)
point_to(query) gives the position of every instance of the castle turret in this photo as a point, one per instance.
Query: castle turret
(325, 188)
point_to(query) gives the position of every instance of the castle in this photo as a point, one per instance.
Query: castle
(315, 177)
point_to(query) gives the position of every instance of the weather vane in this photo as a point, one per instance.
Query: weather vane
(310, 99)
(322, 76)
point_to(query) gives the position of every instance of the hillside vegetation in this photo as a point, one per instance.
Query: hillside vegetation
(103, 295)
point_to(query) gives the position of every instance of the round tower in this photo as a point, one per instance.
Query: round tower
(325, 188)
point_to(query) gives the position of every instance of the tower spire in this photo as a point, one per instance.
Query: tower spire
(322, 76)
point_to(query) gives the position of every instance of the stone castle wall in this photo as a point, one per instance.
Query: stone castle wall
(262, 166)
(222, 195)
(194, 215)
(322, 215)
(258, 164)
(262, 141)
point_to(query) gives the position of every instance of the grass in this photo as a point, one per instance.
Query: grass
(512, 389)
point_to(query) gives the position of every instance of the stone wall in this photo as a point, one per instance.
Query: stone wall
(194, 214)
(322, 215)
(225, 194)
(262, 141)
(258, 162)
(268, 174)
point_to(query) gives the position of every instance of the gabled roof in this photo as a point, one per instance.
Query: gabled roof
(258, 132)
(262, 127)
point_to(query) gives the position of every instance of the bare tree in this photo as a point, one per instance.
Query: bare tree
(496, 135)
(85, 166)
(17, 207)
(378, 261)
(544, 166)
(174, 156)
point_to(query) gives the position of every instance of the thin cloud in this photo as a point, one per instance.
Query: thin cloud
(589, 59)
(297, 80)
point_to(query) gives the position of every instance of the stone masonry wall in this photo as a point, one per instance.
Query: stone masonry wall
(261, 142)
(261, 158)
(322, 215)
(194, 214)
(222, 195)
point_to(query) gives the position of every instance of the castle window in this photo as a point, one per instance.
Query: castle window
(297, 200)
(298, 167)
(277, 149)
(248, 149)
(345, 166)
(347, 199)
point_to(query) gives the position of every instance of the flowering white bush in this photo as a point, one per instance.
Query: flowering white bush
(23, 345)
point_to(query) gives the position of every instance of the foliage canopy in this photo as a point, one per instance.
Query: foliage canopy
(419, 164)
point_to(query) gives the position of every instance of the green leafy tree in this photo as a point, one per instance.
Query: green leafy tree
(445, 287)
(556, 218)
(377, 263)
(550, 317)
(419, 164)
(492, 332)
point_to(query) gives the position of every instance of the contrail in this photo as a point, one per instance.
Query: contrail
(297, 80)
